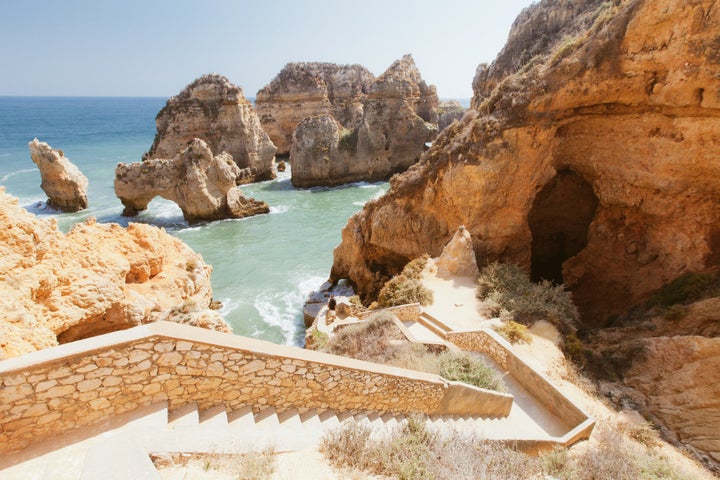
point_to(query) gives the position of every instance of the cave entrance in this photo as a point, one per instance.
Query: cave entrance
(559, 222)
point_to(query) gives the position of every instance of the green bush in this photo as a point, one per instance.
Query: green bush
(686, 288)
(508, 293)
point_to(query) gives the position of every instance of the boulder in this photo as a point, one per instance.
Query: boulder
(202, 184)
(216, 111)
(458, 257)
(309, 89)
(399, 116)
(63, 183)
(97, 278)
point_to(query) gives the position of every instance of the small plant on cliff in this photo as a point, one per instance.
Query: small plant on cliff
(687, 288)
(348, 140)
(508, 293)
(406, 287)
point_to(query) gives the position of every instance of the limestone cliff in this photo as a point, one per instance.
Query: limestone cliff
(55, 287)
(203, 185)
(309, 89)
(215, 110)
(594, 166)
(448, 112)
(63, 183)
(591, 160)
(399, 116)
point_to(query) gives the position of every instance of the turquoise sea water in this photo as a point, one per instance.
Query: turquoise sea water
(263, 266)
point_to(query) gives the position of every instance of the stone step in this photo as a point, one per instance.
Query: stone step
(214, 416)
(184, 416)
(434, 324)
(242, 418)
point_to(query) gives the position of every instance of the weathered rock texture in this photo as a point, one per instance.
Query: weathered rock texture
(593, 161)
(399, 116)
(64, 183)
(57, 287)
(203, 185)
(448, 112)
(303, 90)
(594, 166)
(216, 111)
(458, 257)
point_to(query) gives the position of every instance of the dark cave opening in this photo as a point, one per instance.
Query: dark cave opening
(559, 222)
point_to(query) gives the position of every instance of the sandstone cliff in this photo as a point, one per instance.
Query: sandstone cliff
(203, 185)
(215, 110)
(64, 184)
(589, 157)
(303, 90)
(55, 287)
(399, 116)
(448, 112)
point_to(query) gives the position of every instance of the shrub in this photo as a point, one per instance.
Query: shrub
(406, 287)
(379, 340)
(514, 332)
(685, 289)
(675, 312)
(347, 445)
(507, 291)
(471, 369)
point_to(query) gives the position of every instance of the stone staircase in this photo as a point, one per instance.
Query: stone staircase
(427, 329)
(124, 452)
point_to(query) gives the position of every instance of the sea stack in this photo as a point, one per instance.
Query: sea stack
(62, 181)
(216, 111)
(399, 115)
(202, 184)
(308, 89)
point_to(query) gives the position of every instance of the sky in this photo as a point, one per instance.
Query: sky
(157, 47)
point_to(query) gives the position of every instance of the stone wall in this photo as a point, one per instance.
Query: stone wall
(51, 391)
(491, 344)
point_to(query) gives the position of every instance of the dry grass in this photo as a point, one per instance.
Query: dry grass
(259, 465)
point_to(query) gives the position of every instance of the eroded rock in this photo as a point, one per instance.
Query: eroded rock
(309, 89)
(399, 116)
(63, 183)
(97, 278)
(216, 111)
(203, 185)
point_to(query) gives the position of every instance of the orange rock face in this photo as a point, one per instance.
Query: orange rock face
(57, 287)
(593, 163)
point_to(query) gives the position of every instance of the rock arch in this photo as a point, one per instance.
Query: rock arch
(559, 221)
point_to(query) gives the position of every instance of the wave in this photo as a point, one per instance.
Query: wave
(283, 309)
(279, 209)
(18, 172)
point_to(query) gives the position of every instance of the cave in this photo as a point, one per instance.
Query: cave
(559, 222)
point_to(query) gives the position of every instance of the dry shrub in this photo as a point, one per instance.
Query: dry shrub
(514, 332)
(406, 287)
(508, 293)
(254, 465)
(379, 340)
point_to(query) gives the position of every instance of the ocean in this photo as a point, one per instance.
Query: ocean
(263, 267)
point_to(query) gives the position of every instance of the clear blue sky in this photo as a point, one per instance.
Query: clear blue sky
(156, 47)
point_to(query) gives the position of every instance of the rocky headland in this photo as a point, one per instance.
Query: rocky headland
(588, 158)
(309, 89)
(216, 111)
(449, 111)
(202, 184)
(399, 115)
(62, 181)
(97, 278)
